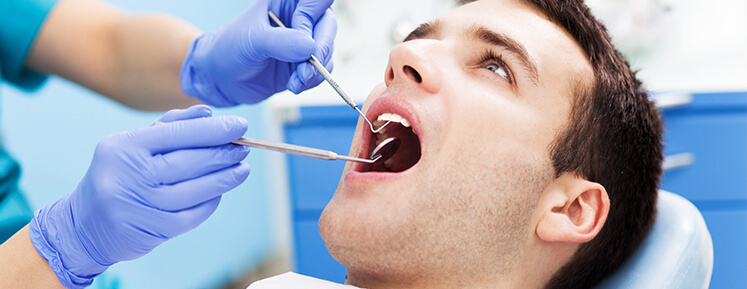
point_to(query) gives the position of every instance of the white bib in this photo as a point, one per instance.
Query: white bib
(292, 280)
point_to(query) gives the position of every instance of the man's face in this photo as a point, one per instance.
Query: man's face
(486, 89)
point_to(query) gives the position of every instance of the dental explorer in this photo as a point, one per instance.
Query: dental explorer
(328, 77)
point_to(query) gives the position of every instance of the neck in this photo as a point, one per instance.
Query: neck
(466, 279)
(535, 269)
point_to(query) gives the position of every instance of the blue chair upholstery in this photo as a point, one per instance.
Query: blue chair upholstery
(678, 253)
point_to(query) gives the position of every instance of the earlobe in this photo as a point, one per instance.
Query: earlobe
(573, 210)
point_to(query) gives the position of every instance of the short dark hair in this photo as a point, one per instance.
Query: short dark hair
(613, 138)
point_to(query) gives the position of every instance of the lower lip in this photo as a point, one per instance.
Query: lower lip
(355, 177)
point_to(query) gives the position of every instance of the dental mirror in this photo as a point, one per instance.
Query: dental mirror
(385, 149)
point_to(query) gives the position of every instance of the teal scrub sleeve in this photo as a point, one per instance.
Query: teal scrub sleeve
(20, 21)
(15, 211)
(14, 214)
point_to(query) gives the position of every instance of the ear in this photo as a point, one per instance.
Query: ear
(573, 210)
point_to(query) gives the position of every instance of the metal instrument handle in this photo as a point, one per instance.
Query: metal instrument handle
(297, 150)
(672, 100)
(286, 148)
(294, 149)
(677, 161)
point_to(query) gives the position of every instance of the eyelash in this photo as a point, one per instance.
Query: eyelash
(491, 57)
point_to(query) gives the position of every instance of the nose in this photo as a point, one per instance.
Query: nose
(414, 63)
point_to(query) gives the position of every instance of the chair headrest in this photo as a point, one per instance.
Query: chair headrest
(677, 253)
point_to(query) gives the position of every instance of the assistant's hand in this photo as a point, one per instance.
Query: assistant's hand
(143, 187)
(249, 59)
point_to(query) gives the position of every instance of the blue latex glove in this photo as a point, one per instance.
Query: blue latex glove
(250, 59)
(143, 187)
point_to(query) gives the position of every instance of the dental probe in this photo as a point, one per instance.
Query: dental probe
(296, 150)
(328, 77)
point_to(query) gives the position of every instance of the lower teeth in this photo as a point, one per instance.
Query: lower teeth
(388, 163)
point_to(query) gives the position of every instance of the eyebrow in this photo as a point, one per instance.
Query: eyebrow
(433, 29)
(428, 30)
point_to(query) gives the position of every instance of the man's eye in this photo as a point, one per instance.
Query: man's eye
(493, 61)
(498, 70)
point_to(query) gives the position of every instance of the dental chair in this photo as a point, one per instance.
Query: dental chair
(678, 253)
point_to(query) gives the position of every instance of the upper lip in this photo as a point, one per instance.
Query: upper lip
(388, 104)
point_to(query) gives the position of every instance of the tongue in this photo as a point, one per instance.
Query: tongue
(407, 156)
(408, 153)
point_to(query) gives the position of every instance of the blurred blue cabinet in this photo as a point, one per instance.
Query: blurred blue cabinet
(710, 133)
(313, 182)
(705, 141)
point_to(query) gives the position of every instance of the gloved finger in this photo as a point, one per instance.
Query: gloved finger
(298, 84)
(183, 221)
(177, 166)
(191, 133)
(194, 191)
(324, 36)
(307, 13)
(195, 111)
(284, 44)
(330, 65)
(306, 76)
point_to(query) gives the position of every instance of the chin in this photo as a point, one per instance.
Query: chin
(356, 234)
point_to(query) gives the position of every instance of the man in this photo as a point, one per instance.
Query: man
(530, 157)
(149, 185)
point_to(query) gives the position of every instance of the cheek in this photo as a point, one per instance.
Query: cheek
(486, 125)
(494, 143)
(481, 200)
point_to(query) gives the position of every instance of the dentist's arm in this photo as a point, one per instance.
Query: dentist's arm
(132, 59)
(22, 267)
(149, 61)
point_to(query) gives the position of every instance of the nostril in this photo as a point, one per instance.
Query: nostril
(389, 75)
(411, 72)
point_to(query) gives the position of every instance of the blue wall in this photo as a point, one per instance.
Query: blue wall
(53, 132)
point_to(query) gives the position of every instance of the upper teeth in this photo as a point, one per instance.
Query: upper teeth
(393, 117)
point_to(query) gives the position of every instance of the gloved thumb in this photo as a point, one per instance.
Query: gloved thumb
(195, 111)
(285, 44)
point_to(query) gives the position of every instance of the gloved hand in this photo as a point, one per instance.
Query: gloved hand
(250, 59)
(143, 187)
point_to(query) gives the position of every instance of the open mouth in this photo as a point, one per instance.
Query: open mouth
(409, 151)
